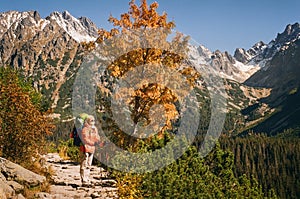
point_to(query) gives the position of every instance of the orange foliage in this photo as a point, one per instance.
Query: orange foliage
(23, 126)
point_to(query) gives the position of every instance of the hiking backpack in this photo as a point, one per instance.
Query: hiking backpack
(75, 136)
(76, 132)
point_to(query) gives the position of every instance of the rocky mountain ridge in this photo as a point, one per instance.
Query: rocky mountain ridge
(281, 76)
(226, 65)
(260, 52)
(47, 50)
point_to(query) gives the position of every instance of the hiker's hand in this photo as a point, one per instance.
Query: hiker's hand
(101, 144)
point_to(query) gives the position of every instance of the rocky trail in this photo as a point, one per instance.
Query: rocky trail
(67, 184)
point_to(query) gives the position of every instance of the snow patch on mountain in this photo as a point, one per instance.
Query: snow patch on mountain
(9, 18)
(13, 19)
(72, 26)
(220, 63)
(245, 67)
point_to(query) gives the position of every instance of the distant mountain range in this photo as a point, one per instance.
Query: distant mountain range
(262, 82)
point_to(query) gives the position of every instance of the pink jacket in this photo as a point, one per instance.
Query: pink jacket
(90, 138)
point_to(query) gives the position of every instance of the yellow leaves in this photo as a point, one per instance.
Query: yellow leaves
(153, 55)
(149, 95)
(141, 57)
(114, 21)
(144, 42)
(23, 125)
(171, 111)
(89, 46)
(191, 74)
(128, 186)
(103, 89)
(171, 60)
(114, 31)
(154, 6)
(103, 34)
(125, 19)
(138, 17)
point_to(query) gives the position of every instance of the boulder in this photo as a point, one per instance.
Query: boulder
(14, 172)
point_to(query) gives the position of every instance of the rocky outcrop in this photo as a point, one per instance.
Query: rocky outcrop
(226, 65)
(290, 34)
(14, 178)
(89, 25)
(245, 56)
(242, 55)
(230, 68)
(261, 54)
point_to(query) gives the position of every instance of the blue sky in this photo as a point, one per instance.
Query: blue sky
(217, 24)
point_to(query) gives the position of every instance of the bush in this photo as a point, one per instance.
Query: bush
(67, 150)
(190, 177)
(23, 127)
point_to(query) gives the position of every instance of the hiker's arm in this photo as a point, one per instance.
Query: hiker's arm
(99, 142)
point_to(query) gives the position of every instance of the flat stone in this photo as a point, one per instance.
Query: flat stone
(17, 173)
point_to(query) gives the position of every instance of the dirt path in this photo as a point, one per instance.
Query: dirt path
(67, 184)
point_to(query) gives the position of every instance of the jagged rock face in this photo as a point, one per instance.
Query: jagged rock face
(223, 61)
(79, 29)
(262, 53)
(48, 50)
(283, 72)
(89, 25)
(282, 69)
(282, 76)
(230, 68)
(244, 56)
(290, 34)
(226, 65)
(241, 55)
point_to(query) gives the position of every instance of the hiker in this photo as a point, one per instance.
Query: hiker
(90, 139)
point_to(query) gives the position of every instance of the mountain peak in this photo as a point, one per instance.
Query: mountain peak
(260, 53)
(66, 15)
(89, 25)
(291, 33)
(76, 28)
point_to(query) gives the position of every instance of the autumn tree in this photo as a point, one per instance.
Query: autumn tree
(23, 127)
(139, 45)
